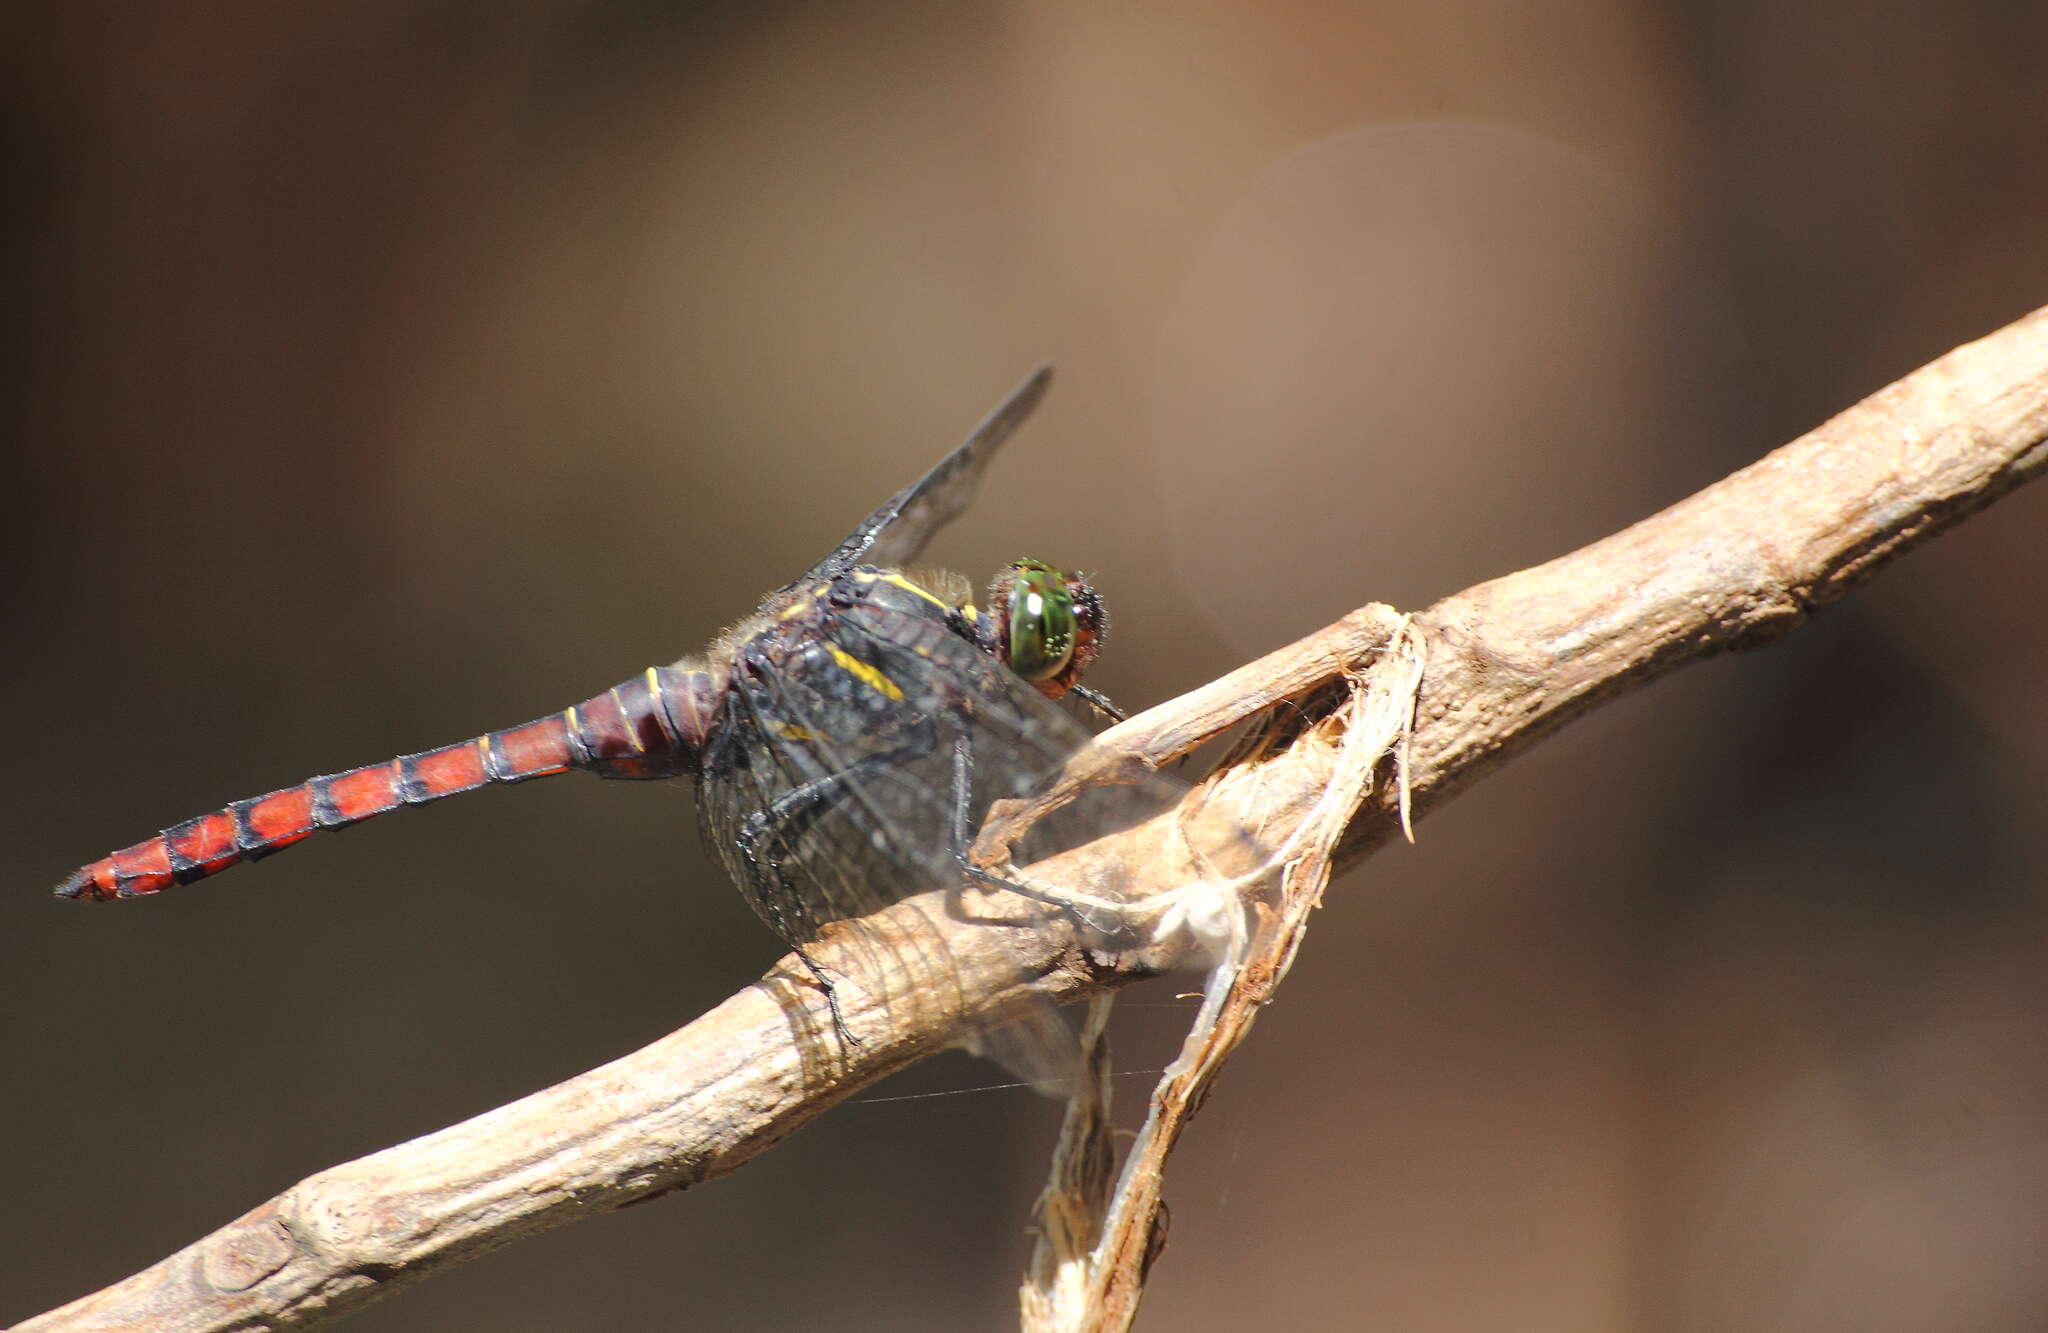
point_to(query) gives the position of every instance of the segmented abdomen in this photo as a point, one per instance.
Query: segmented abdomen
(651, 726)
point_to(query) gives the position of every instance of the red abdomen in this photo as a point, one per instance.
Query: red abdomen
(651, 726)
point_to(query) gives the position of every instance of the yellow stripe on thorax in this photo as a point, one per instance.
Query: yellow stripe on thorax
(886, 576)
(865, 673)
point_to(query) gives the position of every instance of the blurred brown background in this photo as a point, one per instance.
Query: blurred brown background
(382, 373)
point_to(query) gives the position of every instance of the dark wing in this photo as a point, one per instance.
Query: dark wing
(829, 787)
(858, 785)
(894, 535)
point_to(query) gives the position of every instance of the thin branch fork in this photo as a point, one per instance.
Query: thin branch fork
(1734, 566)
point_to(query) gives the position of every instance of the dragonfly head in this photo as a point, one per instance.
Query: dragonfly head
(1044, 624)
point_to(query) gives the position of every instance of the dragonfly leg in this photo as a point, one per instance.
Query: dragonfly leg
(785, 818)
(771, 887)
(1080, 905)
(817, 972)
(1100, 702)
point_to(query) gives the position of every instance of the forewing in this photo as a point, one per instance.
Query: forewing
(895, 534)
(858, 780)
(843, 724)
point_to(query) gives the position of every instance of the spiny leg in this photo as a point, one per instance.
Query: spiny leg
(817, 972)
(793, 811)
(1080, 906)
(782, 820)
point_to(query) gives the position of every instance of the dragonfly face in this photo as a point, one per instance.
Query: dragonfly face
(1053, 624)
(845, 738)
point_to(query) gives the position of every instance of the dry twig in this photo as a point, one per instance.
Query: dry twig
(1738, 564)
(1309, 770)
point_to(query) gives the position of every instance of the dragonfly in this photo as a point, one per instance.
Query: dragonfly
(845, 739)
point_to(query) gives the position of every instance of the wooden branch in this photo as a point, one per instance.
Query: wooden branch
(1734, 566)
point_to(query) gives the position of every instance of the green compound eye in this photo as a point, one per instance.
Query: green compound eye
(1042, 625)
